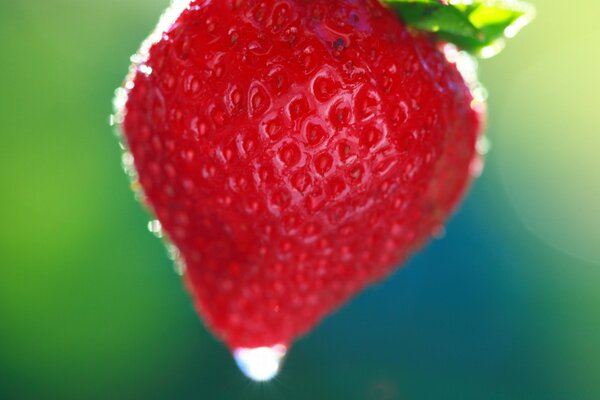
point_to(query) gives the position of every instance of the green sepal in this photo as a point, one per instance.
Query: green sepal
(477, 26)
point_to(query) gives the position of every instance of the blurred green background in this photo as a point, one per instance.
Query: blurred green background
(506, 306)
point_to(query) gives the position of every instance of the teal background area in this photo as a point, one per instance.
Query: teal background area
(505, 306)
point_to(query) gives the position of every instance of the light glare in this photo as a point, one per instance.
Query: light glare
(260, 364)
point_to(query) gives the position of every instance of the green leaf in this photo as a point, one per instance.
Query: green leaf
(477, 26)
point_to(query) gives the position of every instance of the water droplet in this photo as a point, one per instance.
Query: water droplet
(483, 145)
(155, 228)
(175, 255)
(493, 49)
(128, 165)
(119, 105)
(260, 364)
(146, 70)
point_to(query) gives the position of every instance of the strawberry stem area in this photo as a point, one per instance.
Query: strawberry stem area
(479, 27)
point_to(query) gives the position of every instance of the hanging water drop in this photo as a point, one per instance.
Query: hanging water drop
(260, 364)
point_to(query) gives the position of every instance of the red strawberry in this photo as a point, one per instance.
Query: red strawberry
(295, 152)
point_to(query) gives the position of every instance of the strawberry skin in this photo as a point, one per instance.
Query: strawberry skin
(295, 152)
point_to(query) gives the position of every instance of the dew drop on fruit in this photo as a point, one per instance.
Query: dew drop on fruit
(155, 228)
(119, 106)
(483, 145)
(260, 364)
(127, 163)
(145, 70)
(175, 256)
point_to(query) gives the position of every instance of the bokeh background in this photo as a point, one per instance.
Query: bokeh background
(506, 306)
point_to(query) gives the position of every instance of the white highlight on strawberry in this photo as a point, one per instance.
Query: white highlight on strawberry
(138, 60)
(260, 364)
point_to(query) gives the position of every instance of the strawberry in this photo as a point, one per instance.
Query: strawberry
(294, 153)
